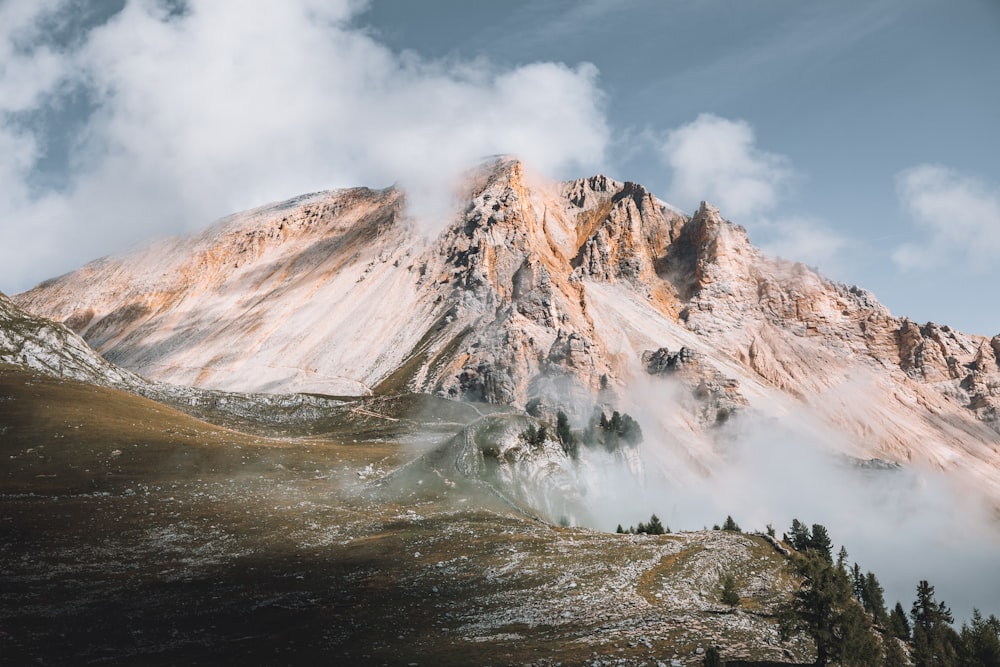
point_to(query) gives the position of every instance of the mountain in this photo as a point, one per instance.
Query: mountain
(541, 294)
(423, 529)
(287, 502)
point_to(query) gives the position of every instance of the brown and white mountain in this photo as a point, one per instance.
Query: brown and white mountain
(570, 293)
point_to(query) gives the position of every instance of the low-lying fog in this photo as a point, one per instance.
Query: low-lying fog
(903, 524)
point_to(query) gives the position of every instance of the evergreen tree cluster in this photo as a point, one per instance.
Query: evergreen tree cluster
(980, 641)
(843, 611)
(869, 592)
(824, 608)
(933, 641)
(612, 432)
(654, 527)
(565, 435)
(816, 541)
(608, 432)
(729, 525)
(535, 437)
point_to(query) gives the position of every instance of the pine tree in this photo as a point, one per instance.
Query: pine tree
(616, 422)
(874, 599)
(534, 437)
(859, 644)
(619, 529)
(824, 608)
(981, 641)
(630, 430)
(842, 559)
(730, 595)
(799, 536)
(934, 640)
(821, 543)
(899, 626)
(928, 613)
(731, 525)
(566, 437)
(654, 527)
(858, 583)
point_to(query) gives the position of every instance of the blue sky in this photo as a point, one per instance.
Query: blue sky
(859, 137)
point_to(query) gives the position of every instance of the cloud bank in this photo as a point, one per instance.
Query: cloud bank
(905, 525)
(958, 215)
(197, 110)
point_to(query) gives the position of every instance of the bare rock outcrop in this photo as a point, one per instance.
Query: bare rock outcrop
(929, 353)
(716, 397)
(633, 235)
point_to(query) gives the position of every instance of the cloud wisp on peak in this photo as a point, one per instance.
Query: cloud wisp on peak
(215, 109)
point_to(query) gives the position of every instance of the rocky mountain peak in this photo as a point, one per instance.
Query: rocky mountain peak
(534, 290)
(585, 193)
(722, 249)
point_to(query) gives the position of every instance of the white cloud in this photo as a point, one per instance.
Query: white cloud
(805, 240)
(717, 159)
(26, 74)
(229, 105)
(959, 217)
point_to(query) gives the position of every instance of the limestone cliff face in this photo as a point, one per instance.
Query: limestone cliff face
(570, 293)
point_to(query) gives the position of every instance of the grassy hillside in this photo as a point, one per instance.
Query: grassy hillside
(131, 533)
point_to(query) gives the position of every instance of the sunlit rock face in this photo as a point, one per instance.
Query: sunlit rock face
(571, 294)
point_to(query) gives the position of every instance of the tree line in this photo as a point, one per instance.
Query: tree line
(843, 611)
(653, 527)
